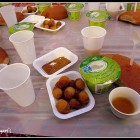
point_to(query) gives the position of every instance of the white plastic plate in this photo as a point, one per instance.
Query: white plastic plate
(38, 25)
(33, 18)
(58, 52)
(27, 14)
(50, 83)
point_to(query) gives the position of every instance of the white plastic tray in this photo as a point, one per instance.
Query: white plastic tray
(58, 52)
(27, 14)
(50, 83)
(33, 18)
(38, 25)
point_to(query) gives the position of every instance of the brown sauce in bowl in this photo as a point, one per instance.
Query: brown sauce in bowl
(124, 105)
(55, 65)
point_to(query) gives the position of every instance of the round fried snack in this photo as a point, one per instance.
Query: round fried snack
(46, 22)
(29, 9)
(69, 93)
(80, 84)
(58, 24)
(72, 83)
(63, 106)
(57, 93)
(74, 103)
(34, 9)
(53, 27)
(62, 82)
(83, 98)
(51, 22)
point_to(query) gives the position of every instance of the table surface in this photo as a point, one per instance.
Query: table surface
(38, 118)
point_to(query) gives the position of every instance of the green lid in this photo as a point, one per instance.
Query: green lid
(74, 6)
(21, 26)
(100, 69)
(98, 15)
(99, 72)
(4, 4)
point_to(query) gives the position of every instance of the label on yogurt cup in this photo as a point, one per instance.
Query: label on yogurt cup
(99, 72)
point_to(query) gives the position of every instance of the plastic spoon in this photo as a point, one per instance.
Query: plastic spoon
(136, 40)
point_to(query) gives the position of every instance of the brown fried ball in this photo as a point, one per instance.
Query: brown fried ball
(83, 98)
(46, 26)
(80, 84)
(51, 22)
(52, 27)
(46, 22)
(72, 83)
(69, 93)
(57, 93)
(74, 103)
(58, 24)
(63, 106)
(29, 9)
(62, 82)
(34, 9)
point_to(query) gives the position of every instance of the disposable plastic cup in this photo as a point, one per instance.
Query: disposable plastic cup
(23, 41)
(9, 15)
(93, 6)
(93, 38)
(113, 6)
(113, 9)
(15, 81)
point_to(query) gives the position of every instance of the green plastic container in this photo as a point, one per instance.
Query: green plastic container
(99, 72)
(97, 18)
(74, 10)
(4, 4)
(21, 26)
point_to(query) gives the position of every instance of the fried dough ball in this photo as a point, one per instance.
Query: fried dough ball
(57, 93)
(53, 27)
(58, 24)
(80, 84)
(63, 106)
(34, 9)
(69, 93)
(83, 98)
(46, 26)
(74, 103)
(46, 22)
(29, 9)
(51, 22)
(72, 83)
(62, 82)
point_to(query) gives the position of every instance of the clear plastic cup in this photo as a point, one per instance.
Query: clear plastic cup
(93, 38)
(9, 15)
(23, 41)
(113, 9)
(15, 81)
(93, 6)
